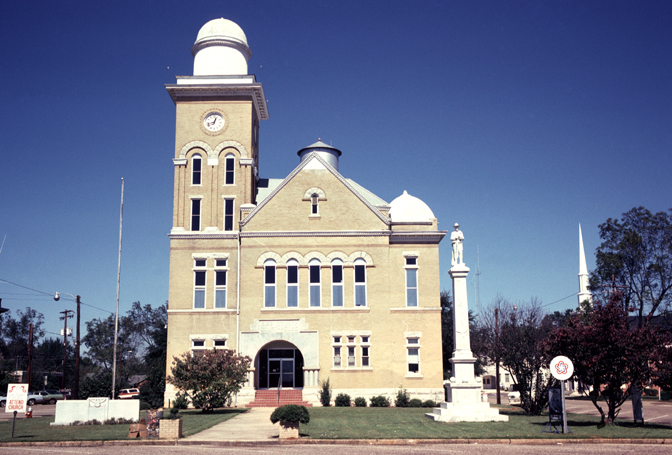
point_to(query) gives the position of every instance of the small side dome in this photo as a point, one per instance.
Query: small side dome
(220, 49)
(408, 209)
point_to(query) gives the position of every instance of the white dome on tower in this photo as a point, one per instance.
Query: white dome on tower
(407, 208)
(221, 49)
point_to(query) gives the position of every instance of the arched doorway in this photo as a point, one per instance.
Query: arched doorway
(279, 363)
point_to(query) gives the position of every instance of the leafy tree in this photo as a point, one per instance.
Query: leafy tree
(210, 378)
(14, 337)
(607, 353)
(637, 252)
(96, 385)
(155, 358)
(448, 342)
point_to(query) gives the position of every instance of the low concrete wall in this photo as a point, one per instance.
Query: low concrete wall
(100, 409)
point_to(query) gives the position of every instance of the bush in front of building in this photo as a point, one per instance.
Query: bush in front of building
(180, 401)
(415, 403)
(325, 393)
(402, 399)
(429, 404)
(343, 400)
(380, 402)
(291, 413)
(360, 402)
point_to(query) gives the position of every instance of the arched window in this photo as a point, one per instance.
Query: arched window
(196, 163)
(292, 283)
(269, 283)
(314, 201)
(230, 172)
(314, 285)
(360, 282)
(336, 282)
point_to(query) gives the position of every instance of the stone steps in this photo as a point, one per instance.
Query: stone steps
(269, 398)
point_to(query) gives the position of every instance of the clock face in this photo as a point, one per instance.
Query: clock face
(213, 122)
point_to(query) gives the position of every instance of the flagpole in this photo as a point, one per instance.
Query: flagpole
(116, 315)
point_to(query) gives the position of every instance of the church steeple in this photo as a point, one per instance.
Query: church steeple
(583, 294)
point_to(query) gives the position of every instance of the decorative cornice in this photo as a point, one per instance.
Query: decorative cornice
(190, 235)
(407, 309)
(254, 234)
(181, 91)
(431, 237)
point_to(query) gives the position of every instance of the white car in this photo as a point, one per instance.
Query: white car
(127, 394)
(514, 395)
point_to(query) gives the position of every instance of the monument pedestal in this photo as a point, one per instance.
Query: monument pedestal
(463, 390)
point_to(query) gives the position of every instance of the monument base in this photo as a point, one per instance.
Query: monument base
(465, 405)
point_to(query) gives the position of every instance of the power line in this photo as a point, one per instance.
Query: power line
(564, 298)
(25, 287)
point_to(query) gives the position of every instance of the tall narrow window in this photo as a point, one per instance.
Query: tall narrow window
(269, 283)
(220, 289)
(411, 282)
(413, 355)
(360, 282)
(314, 199)
(196, 169)
(292, 283)
(336, 282)
(199, 285)
(228, 214)
(314, 285)
(229, 162)
(365, 356)
(195, 214)
(351, 356)
(337, 356)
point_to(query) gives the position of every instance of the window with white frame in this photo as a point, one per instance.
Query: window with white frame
(315, 290)
(229, 163)
(366, 351)
(269, 283)
(199, 283)
(220, 283)
(195, 214)
(413, 355)
(219, 343)
(196, 164)
(292, 283)
(360, 282)
(337, 356)
(197, 347)
(314, 204)
(336, 282)
(411, 281)
(228, 214)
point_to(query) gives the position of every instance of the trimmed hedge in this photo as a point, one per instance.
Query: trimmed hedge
(291, 413)
(415, 403)
(380, 402)
(360, 402)
(343, 400)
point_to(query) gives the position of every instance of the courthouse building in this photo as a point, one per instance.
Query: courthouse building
(311, 275)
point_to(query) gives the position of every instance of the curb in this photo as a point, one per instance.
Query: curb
(183, 442)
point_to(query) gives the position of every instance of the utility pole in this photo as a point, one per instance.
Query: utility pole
(76, 387)
(66, 314)
(499, 398)
(30, 357)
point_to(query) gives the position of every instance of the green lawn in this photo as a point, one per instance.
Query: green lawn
(410, 423)
(39, 428)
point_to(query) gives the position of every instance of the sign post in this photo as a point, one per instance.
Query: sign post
(562, 369)
(17, 397)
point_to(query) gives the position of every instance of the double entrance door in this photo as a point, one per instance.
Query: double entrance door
(280, 366)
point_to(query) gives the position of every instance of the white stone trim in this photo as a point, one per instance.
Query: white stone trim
(209, 336)
(204, 310)
(320, 194)
(410, 254)
(413, 335)
(414, 308)
(210, 255)
(254, 234)
(237, 146)
(192, 145)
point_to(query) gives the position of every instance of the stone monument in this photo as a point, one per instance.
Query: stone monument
(463, 390)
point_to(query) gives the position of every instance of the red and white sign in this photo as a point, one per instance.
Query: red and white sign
(562, 368)
(17, 397)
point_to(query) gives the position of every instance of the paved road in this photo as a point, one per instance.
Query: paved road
(39, 410)
(300, 449)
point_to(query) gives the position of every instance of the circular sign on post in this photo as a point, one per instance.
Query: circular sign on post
(562, 368)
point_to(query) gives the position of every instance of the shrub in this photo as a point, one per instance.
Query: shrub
(342, 400)
(651, 392)
(144, 406)
(172, 415)
(325, 393)
(415, 403)
(180, 401)
(429, 404)
(291, 413)
(402, 398)
(380, 402)
(666, 395)
(360, 402)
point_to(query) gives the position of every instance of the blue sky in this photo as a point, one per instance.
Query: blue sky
(519, 120)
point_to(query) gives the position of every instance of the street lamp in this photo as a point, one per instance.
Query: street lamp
(515, 308)
(75, 391)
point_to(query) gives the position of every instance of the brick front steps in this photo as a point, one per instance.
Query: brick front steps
(269, 398)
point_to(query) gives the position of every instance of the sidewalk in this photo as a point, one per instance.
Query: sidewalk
(253, 425)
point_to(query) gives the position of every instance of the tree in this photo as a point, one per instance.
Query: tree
(210, 378)
(448, 341)
(607, 354)
(14, 336)
(637, 252)
(154, 387)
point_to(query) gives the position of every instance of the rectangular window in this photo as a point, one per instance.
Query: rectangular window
(411, 282)
(365, 339)
(292, 285)
(198, 343)
(220, 289)
(337, 356)
(199, 289)
(337, 339)
(220, 343)
(269, 285)
(199, 262)
(337, 284)
(230, 171)
(219, 263)
(360, 285)
(413, 360)
(365, 356)
(314, 285)
(351, 356)
(195, 214)
(507, 378)
(351, 339)
(228, 214)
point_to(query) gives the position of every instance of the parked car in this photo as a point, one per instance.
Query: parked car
(32, 400)
(51, 396)
(514, 395)
(127, 394)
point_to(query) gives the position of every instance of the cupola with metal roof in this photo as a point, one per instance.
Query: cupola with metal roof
(326, 152)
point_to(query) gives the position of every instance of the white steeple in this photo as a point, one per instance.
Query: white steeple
(583, 294)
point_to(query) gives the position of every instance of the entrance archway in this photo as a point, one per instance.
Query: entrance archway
(279, 363)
